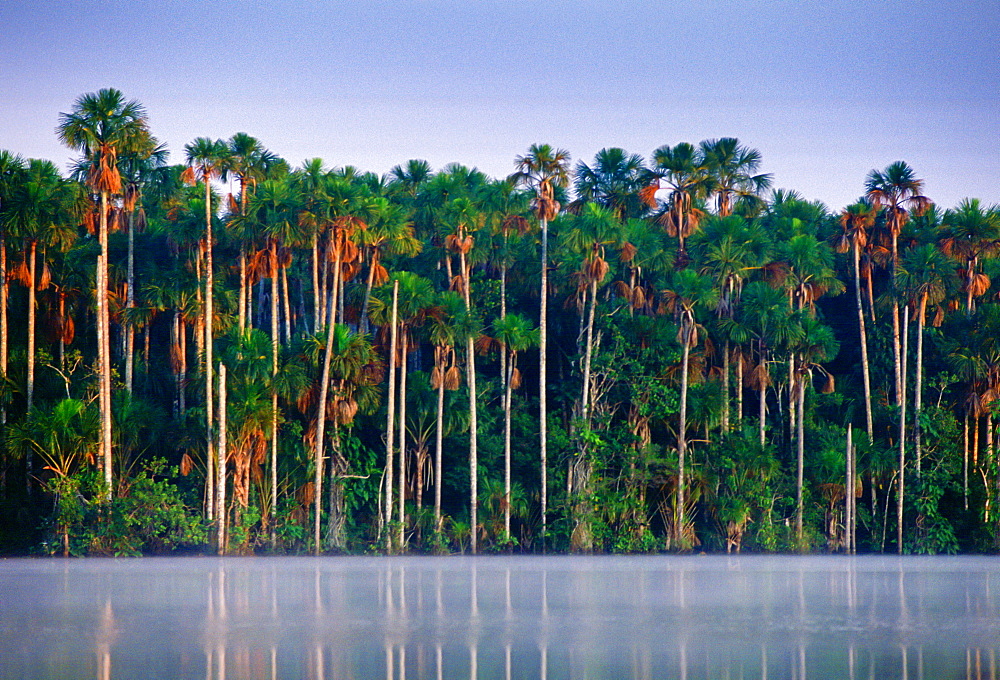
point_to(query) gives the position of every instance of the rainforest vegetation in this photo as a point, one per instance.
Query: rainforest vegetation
(617, 354)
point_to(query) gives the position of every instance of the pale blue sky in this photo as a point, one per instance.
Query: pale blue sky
(826, 90)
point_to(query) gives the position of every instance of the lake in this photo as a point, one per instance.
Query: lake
(549, 618)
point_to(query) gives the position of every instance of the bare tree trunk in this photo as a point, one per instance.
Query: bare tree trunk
(901, 403)
(438, 451)
(391, 413)
(919, 380)
(324, 391)
(220, 484)
(725, 388)
(287, 305)
(209, 314)
(543, 326)
(401, 515)
(32, 257)
(470, 366)
(130, 304)
(801, 457)
(274, 392)
(315, 283)
(3, 314)
(509, 368)
(865, 368)
(679, 519)
(104, 346)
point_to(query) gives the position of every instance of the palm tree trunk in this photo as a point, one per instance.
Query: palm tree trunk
(32, 257)
(242, 304)
(315, 283)
(801, 457)
(274, 390)
(318, 455)
(470, 366)
(588, 353)
(130, 303)
(209, 313)
(3, 315)
(104, 347)
(543, 326)
(679, 519)
(739, 389)
(220, 485)
(438, 451)
(901, 403)
(965, 460)
(503, 313)
(390, 415)
(368, 292)
(509, 368)
(401, 499)
(919, 380)
(865, 367)
(286, 303)
(725, 388)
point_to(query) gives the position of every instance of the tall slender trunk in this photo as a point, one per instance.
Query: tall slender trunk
(220, 484)
(919, 380)
(315, 283)
(543, 326)
(679, 519)
(725, 388)
(588, 354)
(368, 291)
(209, 313)
(849, 494)
(965, 460)
(287, 304)
(401, 498)
(104, 347)
(318, 453)
(865, 367)
(3, 315)
(274, 390)
(503, 313)
(762, 390)
(800, 442)
(470, 367)
(438, 451)
(32, 257)
(130, 304)
(242, 304)
(391, 414)
(739, 389)
(901, 403)
(508, 375)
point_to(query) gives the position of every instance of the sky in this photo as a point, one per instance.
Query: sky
(826, 90)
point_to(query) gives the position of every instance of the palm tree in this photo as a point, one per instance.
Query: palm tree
(972, 233)
(39, 212)
(137, 167)
(206, 161)
(101, 126)
(896, 191)
(688, 291)
(923, 276)
(272, 215)
(11, 169)
(732, 167)
(614, 182)
(683, 170)
(856, 222)
(444, 376)
(514, 333)
(815, 343)
(543, 169)
(249, 161)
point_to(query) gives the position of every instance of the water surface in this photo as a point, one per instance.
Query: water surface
(549, 618)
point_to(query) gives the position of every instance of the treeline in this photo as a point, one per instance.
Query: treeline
(619, 355)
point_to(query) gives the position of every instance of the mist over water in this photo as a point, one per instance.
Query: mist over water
(550, 618)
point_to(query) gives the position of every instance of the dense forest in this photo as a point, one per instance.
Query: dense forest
(624, 354)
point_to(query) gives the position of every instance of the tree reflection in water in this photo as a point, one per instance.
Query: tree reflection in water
(638, 618)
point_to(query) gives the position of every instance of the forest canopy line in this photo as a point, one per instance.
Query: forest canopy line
(621, 354)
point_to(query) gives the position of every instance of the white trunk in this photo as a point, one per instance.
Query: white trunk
(391, 412)
(220, 484)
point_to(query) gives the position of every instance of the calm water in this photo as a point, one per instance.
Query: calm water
(541, 618)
